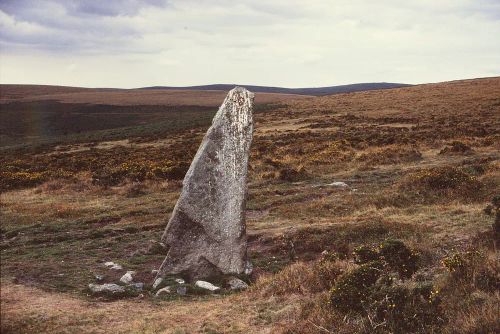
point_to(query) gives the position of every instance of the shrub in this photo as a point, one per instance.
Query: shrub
(14, 180)
(139, 171)
(364, 254)
(293, 174)
(353, 288)
(405, 309)
(393, 154)
(456, 147)
(474, 269)
(399, 257)
(442, 182)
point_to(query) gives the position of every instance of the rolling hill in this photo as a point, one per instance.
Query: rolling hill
(314, 91)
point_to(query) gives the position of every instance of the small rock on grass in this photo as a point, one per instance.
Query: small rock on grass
(237, 284)
(113, 266)
(206, 285)
(106, 288)
(136, 286)
(339, 184)
(181, 290)
(164, 291)
(127, 278)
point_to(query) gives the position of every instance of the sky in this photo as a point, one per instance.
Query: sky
(287, 43)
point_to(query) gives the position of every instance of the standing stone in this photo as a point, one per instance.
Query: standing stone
(206, 232)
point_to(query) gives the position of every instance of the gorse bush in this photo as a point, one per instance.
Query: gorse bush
(399, 257)
(474, 269)
(352, 289)
(139, 171)
(393, 154)
(394, 253)
(22, 179)
(450, 182)
(405, 309)
(387, 304)
(13, 180)
(456, 147)
(364, 254)
(293, 174)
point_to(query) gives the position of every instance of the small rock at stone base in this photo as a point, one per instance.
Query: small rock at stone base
(181, 290)
(127, 278)
(248, 268)
(164, 291)
(237, 284)
(136, 286)
(206, 285)
(108, 287)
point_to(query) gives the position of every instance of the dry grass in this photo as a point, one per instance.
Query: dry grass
(126, 97)
(59, 225)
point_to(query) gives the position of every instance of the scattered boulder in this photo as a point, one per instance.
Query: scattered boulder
(106, 288)
(163, 291)
(113, 266)
(181, 290)
(338, 184)
(99, 278)
(180, 281)
(206, 232)
(136, 286)
(237, 284)
(127, 278)
(206, 285)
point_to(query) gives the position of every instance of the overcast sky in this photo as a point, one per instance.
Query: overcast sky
(133, 43)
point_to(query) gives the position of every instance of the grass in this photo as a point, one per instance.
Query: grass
(70, 203)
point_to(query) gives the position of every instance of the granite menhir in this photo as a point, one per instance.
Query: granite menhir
(206, 233)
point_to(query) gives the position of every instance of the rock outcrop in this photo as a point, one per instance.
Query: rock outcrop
(206, 232)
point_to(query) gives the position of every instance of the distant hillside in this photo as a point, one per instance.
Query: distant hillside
(318, 91)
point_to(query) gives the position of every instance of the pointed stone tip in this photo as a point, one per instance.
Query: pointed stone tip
(242, 90)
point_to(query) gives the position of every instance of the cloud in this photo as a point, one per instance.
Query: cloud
(289, 43)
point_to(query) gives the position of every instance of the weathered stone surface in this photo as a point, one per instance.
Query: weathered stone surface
(206, 232)
(206, 285)
(157, 282)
